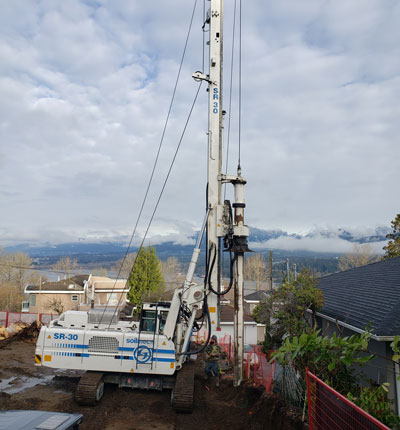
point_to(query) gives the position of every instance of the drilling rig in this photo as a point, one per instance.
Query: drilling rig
(154, 352)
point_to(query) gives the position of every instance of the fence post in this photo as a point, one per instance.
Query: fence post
(310, 423)
(6, 323)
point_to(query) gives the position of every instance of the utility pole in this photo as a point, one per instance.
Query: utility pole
(39, 301)
(270, 271)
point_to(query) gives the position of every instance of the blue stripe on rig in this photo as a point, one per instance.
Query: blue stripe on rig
(168, 360)
(164, 351)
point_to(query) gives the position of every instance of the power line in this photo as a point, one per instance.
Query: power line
(240, 78)
(37, 269)
(159, 148)
(165, 183)
(230, 93)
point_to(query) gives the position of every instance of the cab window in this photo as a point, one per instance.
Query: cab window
(148, 321)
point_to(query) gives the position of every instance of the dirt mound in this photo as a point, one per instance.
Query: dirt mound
(273, 412)
(23, 332)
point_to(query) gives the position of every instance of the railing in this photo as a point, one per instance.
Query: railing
(8, 318)
(329, 410)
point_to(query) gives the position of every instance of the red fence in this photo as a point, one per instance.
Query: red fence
(255, 363)
(258, 369)
(8, 318)
(329, 410)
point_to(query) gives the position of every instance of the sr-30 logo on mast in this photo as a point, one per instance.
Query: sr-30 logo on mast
(215, 103)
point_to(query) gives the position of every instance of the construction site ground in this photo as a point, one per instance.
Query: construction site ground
(26, 386)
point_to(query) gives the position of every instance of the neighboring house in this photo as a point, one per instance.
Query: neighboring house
(250, 302)
(76, 293)
(227, 326)
(367, 297)
(67, 293)
(253, 299)
(105, 291)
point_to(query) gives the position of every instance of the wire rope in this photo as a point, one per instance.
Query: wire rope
(164, 185)
(157, 156)
(230, 93)
(240, 79)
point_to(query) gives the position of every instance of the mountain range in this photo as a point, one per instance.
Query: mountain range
(331, 242)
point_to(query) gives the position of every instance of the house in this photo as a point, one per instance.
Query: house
(76, 293)
(67, 294)
(227, 326)
(367, 297)
(250, 302)
(253, 299)
(105, 291)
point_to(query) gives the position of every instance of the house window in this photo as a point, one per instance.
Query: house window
(74, 297)
(32, 300)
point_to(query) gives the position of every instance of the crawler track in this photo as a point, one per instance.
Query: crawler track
(90, 389)
(183, 393)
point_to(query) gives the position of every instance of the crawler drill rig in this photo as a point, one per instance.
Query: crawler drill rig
(153, 353)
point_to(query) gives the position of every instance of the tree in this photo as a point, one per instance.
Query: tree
(15, 273)
(10, 298)
(360, 256)
(55, 305)
(146, 281)
(15, 270)
(124, 265)
(392, 249)
(329, 357)
(66, 266)
(255, 270)
(172, 272)
(287, 308)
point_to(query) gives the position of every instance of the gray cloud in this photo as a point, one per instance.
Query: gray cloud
(85, 88)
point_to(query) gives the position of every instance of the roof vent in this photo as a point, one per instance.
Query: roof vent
(71, 286)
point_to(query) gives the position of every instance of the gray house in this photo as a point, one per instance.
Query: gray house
(367, 296)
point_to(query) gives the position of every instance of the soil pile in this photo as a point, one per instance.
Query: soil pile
(21, 331)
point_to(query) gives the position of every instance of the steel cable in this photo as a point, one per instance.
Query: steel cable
(156, 160)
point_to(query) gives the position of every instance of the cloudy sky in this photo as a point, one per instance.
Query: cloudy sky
(85, 88)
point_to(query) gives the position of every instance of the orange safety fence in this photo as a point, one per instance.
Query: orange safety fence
(329, 410)
(257, 368)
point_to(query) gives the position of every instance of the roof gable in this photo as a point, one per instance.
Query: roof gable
(365, 296)
(258, 295)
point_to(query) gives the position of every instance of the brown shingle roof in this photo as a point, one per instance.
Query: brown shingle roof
(56, 286)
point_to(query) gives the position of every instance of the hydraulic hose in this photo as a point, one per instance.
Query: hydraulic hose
(232, 262)
(209, 332)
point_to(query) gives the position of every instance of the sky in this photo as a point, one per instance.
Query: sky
(85, 88)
